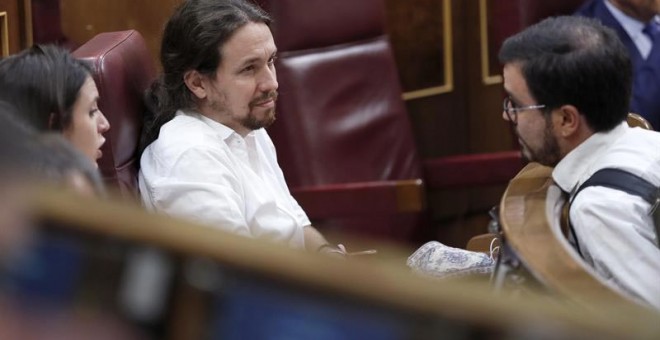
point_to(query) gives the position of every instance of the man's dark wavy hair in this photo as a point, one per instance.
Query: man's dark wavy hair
(577, 61)
(192, 40)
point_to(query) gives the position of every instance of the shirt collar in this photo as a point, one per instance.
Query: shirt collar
(578, 164)
(223, 131)
(631, 25)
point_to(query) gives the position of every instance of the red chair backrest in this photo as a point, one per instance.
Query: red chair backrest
(341, 117)
(123, 70)
(341, 114)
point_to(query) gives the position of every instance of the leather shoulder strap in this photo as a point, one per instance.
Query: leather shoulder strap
(632, 184)
(622, 180)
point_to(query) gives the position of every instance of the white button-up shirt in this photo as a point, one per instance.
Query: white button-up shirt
(202, 170)
(614, 231)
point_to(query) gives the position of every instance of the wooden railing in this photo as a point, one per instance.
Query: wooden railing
(367, 283)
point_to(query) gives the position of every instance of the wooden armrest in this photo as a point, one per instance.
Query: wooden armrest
(635, 120)
(354, 199)
(481, 243)
(472, 170)
(539, 245)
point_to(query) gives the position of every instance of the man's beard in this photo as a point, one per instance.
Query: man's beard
(548, 154)
(251, 121)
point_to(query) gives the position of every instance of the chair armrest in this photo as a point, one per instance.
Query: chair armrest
(472, 170)
(482, 243)
(355, 199)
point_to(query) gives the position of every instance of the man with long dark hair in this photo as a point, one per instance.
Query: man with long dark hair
(207, 155)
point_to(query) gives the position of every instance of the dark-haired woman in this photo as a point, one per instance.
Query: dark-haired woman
(53, 91)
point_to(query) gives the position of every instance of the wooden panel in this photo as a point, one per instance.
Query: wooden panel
(446, 44)
(4, 34)
(422, 19)
(83, 19)
(375, 282)
(487, 44)
(15, 26)
(487, 130)
(423, 35)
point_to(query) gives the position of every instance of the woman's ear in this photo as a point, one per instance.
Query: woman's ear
(195, 83)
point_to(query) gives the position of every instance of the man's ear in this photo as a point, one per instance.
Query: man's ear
(195, 83)
(568, 120)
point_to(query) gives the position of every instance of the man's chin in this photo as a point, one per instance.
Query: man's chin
(525, 157)
(256, 124)
(269, 118)
(526, 154)
(269, 122)
(528, 157)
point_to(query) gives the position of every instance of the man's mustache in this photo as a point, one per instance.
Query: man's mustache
(272, 95)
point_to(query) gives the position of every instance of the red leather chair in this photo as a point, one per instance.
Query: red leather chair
(339, 129)
(123, 70)
(343, 135)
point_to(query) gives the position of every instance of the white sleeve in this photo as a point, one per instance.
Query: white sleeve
(616, 235)
(200, 185)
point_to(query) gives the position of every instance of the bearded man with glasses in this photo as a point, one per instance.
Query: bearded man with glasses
(568, 81)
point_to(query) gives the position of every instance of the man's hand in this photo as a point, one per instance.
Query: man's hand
(340, 251)
(332, 251)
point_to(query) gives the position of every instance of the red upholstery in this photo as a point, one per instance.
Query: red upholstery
(123, 70)
(472, 170)
(343, 135)
(361, 198)
(342, 132)
(344, 126)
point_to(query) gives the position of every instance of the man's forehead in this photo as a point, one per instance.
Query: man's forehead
(514, 82)
(250, 41)
(509, 73)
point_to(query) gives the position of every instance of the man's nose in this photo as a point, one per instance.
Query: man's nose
(268, 80)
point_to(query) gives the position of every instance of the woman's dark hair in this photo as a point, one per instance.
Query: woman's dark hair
(27, 154)
(16, 141)
(41, 80)
(192, 40)
(577, 61)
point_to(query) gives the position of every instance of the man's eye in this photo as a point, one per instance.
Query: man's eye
(248, 69)
(93, 111)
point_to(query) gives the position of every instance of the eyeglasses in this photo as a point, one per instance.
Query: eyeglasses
(512, 111)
